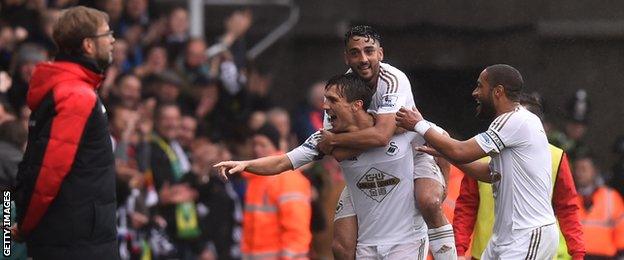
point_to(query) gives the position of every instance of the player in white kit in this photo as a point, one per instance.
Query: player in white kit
(380, 180)
(363, 54)
(520, 169)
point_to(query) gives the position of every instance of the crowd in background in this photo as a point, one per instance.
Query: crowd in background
(206, 100)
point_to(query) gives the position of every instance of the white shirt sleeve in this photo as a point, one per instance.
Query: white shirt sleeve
(307, 152)
(504, 132)
(393, 95)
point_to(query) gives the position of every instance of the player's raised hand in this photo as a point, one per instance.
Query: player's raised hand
(407, 118)
(230, 167)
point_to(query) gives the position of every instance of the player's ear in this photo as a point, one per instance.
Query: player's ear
(499, 90)
(357, 105)
(381, 53)
(344, 55)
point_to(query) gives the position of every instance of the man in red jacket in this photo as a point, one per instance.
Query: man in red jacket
(563, 199)
(66, 183)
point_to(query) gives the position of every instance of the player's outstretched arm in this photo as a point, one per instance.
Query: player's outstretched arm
(458, 152)
(477, 169)
(270, 165)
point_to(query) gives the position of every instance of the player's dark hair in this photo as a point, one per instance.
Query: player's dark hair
(365, 31)
(352, 88)
(508, 77)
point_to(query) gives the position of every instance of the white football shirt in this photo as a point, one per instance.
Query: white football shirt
(521, 168)
(381, 186)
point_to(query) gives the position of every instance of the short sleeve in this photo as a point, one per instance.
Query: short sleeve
(390, 103)
(505, 131)
(393, 93)
(307, 152)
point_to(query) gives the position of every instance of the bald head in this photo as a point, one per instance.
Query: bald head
(506, 76)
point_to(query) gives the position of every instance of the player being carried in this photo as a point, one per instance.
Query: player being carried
(363, 54)
(379, 179)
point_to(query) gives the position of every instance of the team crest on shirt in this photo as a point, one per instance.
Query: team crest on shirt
(392, 149)
(377, 184)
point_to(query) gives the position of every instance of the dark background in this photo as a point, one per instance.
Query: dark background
(559, 47)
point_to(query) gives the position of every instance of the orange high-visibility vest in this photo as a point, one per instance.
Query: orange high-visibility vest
(603, 223)
(276, 220)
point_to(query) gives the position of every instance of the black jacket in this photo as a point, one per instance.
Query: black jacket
(66, 183)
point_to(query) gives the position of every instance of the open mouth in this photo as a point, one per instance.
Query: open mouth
(364, 67)
(332, 117)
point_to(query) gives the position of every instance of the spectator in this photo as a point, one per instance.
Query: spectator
(193, 63)
(573, 138)
(13, 138)
(219, 206)
(178, 32)
(127, 91)
(276, 221)
(24, 63)
(257, 120)
(309, 118)
(169, 90)
(188, 132)
(135, 13)
(169, 164)
(280, 119)
(114, 9)
(155, 63)
(43, 34)
(6, 111)
(602, 211)
(8, 43)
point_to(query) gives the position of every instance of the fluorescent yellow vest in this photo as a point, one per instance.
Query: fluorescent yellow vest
(485, 215)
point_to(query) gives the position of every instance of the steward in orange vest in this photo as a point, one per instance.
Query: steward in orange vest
(602, 212)
(276, 221)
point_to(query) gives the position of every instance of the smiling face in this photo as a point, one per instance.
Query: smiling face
(339, 110)
(483, 96)
(363, 55)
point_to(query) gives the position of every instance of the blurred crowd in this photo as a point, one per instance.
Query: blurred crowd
(178, 104)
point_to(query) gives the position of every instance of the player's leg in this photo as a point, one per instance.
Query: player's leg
(345, 228)
(429, 193)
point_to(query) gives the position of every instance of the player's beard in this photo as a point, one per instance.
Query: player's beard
(486, 110)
